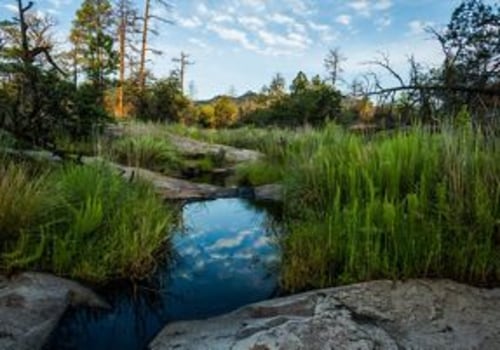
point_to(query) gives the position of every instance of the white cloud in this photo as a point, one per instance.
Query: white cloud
(191, 23)
(383, 22)
(231, 242)
(11, 8)
(253, 23)
(257, 5)
(232, 34)
(383, 5)
(366, 7)
(301, 7)
(202, 9)
(291, 40)
(417, 27)
(221, 18)
(281, 19)
(59, 3)
(318, 27)
(343, 19)
(360, 6)
(198, 42)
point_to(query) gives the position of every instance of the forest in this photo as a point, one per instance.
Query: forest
(100, 156)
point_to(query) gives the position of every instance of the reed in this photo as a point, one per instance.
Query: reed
(409, 204)
(94, 225)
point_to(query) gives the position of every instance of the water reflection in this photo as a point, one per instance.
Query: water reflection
(226, 257)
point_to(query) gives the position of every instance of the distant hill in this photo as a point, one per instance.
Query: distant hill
(247, 96)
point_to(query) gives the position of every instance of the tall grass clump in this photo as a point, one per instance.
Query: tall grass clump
(96, 227)
(22, 199)
(409, 204)
(145, 151)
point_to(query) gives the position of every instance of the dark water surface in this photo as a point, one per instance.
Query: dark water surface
(225, 258)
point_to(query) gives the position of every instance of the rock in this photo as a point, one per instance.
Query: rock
(417, 314)
(31, 305)
(192, 147)
(273, 192)
(170, 187)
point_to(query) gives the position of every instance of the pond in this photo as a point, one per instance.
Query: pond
(226, 256)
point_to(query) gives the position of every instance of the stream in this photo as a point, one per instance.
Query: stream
(226, 256)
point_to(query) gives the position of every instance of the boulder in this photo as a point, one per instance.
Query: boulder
(31, 305)
(272, 192)
(169, 187)
(416, 314)
(192, 147)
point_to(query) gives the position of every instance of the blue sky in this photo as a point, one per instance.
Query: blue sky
(241, 44)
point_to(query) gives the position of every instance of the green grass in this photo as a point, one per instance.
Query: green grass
(145, 151)
(258, 173)
(22, 199)
(409, 204)
(83, 222)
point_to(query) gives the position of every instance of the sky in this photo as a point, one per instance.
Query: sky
(238, 45)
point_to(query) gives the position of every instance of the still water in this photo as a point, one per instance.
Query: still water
(226, 256)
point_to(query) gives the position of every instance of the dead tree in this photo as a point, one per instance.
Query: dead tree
(147, 17)
(183, 63)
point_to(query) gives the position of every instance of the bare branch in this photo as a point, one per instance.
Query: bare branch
(385, 63)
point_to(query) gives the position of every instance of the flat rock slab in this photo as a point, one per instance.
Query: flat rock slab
(170, 187)
(272, 192)
(417, 314)
(192, 147)
(31, 305)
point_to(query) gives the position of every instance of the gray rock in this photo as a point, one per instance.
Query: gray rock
(272, 192)
(31, 305)
(417, 314)
(170, 187)
(192, 147)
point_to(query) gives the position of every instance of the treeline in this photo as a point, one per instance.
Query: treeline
(465, 86)
(46, 91)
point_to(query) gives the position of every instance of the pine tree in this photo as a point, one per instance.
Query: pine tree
(92, 32)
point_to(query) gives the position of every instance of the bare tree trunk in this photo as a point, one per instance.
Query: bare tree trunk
(144, 47)
(183, 63)
(75, 67)
(122, 37)
(24, 31)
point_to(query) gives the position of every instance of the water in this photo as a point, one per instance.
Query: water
(226, 258)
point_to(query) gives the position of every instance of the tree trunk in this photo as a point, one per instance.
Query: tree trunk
(142, 64)
(122, 36)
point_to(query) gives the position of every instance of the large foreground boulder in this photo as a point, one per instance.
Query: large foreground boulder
(31, 305)
(417, 314)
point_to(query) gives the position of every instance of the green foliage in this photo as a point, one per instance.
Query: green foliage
(463, 118)
(309, 102)
(225, 112)
(206, 116)
(163, 101)
(94, 225)
(36, 102)
(473, 36)
(409, 204)
(258, 173)
(22, 199)
(92, 36)
(146, 152)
